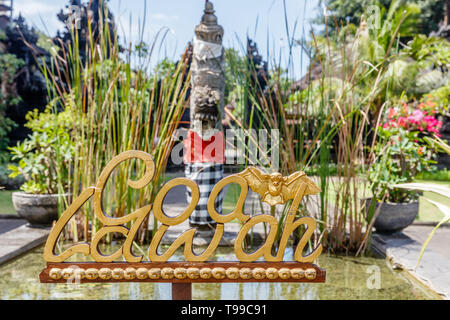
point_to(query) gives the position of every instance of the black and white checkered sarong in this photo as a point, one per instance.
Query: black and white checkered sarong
(206, 176)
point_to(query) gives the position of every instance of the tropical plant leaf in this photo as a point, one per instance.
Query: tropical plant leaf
(439, 143)
(441, 190)
(446, 211)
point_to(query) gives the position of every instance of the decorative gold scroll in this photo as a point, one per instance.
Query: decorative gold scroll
(273, 189)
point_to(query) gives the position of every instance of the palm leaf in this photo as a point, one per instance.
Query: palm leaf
(439, 143)
(441, 190)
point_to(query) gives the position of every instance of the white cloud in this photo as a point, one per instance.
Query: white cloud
(40, 14)
(163, 17)
(35, 8)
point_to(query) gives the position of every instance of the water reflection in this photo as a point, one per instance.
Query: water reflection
(346, 279)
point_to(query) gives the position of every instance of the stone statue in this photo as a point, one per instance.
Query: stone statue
(208, 80)
(206, 111)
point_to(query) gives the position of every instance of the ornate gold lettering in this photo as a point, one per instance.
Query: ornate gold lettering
(274, 189)
(49, 250)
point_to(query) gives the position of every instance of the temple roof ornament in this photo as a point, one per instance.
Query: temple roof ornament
(209, 18)
(209, 29)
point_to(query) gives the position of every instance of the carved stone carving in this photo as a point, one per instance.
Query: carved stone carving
(208, 80)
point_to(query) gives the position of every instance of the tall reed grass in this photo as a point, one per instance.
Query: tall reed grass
(329, 127)
(117, 108)
(326, 128)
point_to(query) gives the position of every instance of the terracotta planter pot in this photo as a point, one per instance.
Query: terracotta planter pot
(394, 217)
(38, 210)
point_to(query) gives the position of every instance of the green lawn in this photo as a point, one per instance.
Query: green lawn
(6, 206)
(427, 211)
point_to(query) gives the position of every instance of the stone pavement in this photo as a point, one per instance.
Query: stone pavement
(440, 241)
(403, 250)
(10, 224)
(17, 238)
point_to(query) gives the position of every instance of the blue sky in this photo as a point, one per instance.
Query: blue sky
(238, 17)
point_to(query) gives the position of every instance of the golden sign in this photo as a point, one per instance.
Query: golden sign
(274, 189)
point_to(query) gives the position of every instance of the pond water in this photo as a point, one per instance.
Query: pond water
(347, 278)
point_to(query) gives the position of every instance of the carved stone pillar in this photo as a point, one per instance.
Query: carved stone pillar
(204, 158)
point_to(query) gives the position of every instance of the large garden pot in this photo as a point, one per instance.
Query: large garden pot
(38, 210)
(394, 217)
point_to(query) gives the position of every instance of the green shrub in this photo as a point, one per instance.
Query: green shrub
(9, 65)
(434, 175)
(44, 158)
(7, 182)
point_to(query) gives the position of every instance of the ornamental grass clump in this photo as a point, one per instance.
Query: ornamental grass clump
(116, 108)
(328, 123)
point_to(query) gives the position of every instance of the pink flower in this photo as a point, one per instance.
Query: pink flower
(392, 113)
(405, 108)
(402, 122)
(432, 129)
(416, 117)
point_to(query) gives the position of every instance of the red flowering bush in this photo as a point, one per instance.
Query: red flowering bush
(401, 152)
(415, 117)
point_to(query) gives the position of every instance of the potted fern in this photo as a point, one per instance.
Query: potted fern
(43, 159)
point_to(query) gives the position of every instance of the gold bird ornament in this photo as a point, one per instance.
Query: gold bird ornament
(274, 188)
